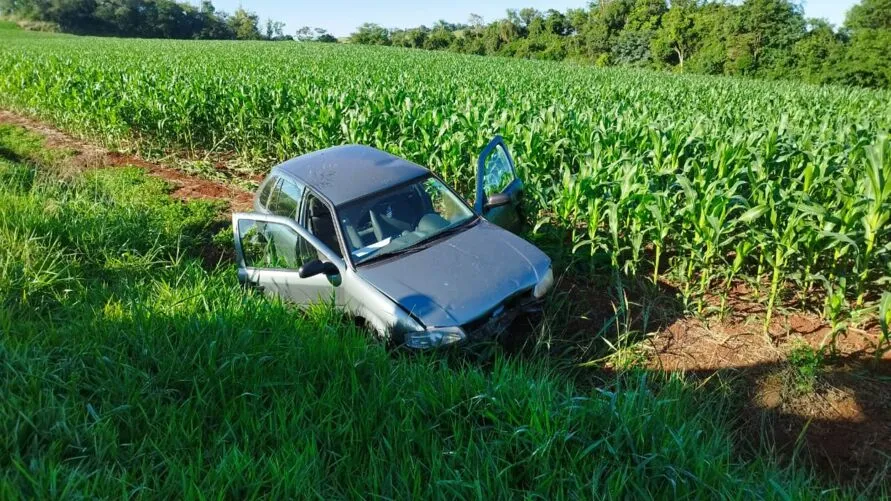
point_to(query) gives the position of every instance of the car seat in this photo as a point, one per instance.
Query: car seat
(322, 225)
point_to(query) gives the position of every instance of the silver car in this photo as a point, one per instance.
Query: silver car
(391, 244)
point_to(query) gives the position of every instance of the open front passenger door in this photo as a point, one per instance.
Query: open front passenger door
(499, 191)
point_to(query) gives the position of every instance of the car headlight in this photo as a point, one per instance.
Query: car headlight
(544, 285)
(433, 337)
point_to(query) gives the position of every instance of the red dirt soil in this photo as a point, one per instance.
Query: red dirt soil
(86, 155)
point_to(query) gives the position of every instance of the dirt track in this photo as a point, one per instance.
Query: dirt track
(86, 155)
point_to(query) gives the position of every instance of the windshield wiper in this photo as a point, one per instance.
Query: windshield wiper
(393, 253)
(448, 231)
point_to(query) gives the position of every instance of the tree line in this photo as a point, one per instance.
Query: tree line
(154, 19)
(759, 38)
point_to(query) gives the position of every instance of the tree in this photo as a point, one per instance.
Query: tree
(74, 16)
(304, 34)
(870, 14)
(371, 34)
(507, 30)
(678, 34)
(766, 29)
(275, 30)
(818, 54)
(214, 25)
(244, 24)
(646, 15)
(867, 61)
(439, 38)
(413, 38)
(476, 22)
(142, 18)
(556, 23)
(632, 47)
(527, 16)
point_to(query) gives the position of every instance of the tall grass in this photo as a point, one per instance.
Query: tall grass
(128, 368)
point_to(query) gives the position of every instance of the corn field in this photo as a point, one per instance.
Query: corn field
(706, 183)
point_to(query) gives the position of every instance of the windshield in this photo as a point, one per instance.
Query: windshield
(397, 219)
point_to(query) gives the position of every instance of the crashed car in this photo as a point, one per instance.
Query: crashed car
(390, 243)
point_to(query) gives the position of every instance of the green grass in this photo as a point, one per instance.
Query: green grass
(805, 364)
(130, 368)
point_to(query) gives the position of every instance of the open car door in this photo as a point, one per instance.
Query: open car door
(280, 257)
(499, 191)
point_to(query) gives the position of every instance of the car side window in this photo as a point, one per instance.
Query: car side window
(285, 199)
(498, 174)
(273, 245)
(265, 190)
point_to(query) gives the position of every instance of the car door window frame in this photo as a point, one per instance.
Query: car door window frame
(278, 190)
(289, 223)
(335, 218)
(481, 195)
(270, 184)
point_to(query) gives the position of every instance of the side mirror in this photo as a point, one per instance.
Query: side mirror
(316, 267)
(497, 200)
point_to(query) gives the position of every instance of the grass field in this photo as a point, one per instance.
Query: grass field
(131, 367)
(134, 365)
(705, 182)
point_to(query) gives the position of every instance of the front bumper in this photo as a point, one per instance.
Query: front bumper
(490, 326)
(498, 321)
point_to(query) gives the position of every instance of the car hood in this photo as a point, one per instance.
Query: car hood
(460, 277)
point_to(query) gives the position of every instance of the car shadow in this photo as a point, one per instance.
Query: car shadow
(841, 428)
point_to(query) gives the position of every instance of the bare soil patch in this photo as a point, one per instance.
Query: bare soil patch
(86, 155)
(842, 425)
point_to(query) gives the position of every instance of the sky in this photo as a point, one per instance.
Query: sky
(341, 17)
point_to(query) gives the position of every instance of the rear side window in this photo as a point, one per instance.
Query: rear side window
(265, 190)
(285, 199)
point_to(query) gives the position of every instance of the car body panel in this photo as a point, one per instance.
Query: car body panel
(344, 173)
(460, 277)
(347, 291)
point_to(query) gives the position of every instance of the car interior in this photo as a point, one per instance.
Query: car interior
(383, 218)
(406, 215)
(403, 216)
(321, 224)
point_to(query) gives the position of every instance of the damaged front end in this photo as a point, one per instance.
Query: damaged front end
(491, 325)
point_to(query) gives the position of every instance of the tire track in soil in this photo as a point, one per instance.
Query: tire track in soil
(87, 155)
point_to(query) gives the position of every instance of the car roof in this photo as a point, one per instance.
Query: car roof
(345, 173)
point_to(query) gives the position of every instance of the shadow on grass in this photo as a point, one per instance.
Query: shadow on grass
(841, 428)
